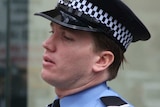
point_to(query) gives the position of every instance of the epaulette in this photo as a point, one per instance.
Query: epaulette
(114, 101)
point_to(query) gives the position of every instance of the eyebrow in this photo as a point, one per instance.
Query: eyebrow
(52, 24)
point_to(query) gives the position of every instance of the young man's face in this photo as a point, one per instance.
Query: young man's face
(68, 58)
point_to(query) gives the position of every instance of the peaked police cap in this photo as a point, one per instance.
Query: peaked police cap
(100, 16)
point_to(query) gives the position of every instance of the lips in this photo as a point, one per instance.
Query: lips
(47, 61)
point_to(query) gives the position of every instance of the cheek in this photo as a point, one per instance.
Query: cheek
(77, 62)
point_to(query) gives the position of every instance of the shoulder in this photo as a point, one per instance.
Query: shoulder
(114, 101)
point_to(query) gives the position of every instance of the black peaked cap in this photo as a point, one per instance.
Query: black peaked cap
(100, 16)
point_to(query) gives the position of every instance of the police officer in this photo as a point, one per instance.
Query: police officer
(86, 48)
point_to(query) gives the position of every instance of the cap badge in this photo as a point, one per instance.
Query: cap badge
(66, 2)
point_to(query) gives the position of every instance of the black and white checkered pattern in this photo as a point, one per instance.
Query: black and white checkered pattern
(120, 32)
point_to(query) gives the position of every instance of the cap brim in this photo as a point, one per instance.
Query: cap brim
(66, 20)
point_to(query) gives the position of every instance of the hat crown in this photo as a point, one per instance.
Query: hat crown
(89, 7)
(111, 17)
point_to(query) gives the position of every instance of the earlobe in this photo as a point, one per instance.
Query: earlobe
(104, 60)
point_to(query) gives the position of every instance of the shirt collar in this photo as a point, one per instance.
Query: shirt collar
(83, 97)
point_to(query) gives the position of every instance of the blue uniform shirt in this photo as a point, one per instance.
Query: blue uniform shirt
(92, 98)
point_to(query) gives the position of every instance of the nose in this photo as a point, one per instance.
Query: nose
(49, 44)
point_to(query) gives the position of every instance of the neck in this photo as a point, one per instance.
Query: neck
(65, 92)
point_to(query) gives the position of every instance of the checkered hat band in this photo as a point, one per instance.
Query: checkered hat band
(120, 32)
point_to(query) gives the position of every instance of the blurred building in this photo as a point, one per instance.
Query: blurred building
(21, 37)
(13, 52)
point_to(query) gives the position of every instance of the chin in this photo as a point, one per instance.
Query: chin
(46, 76)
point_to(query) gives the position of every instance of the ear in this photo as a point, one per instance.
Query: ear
(103, 61)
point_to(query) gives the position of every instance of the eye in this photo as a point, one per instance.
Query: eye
(67, 38)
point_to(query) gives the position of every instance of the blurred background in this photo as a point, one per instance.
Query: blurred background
(21, 37)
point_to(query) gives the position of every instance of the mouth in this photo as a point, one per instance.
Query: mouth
(47, 60)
